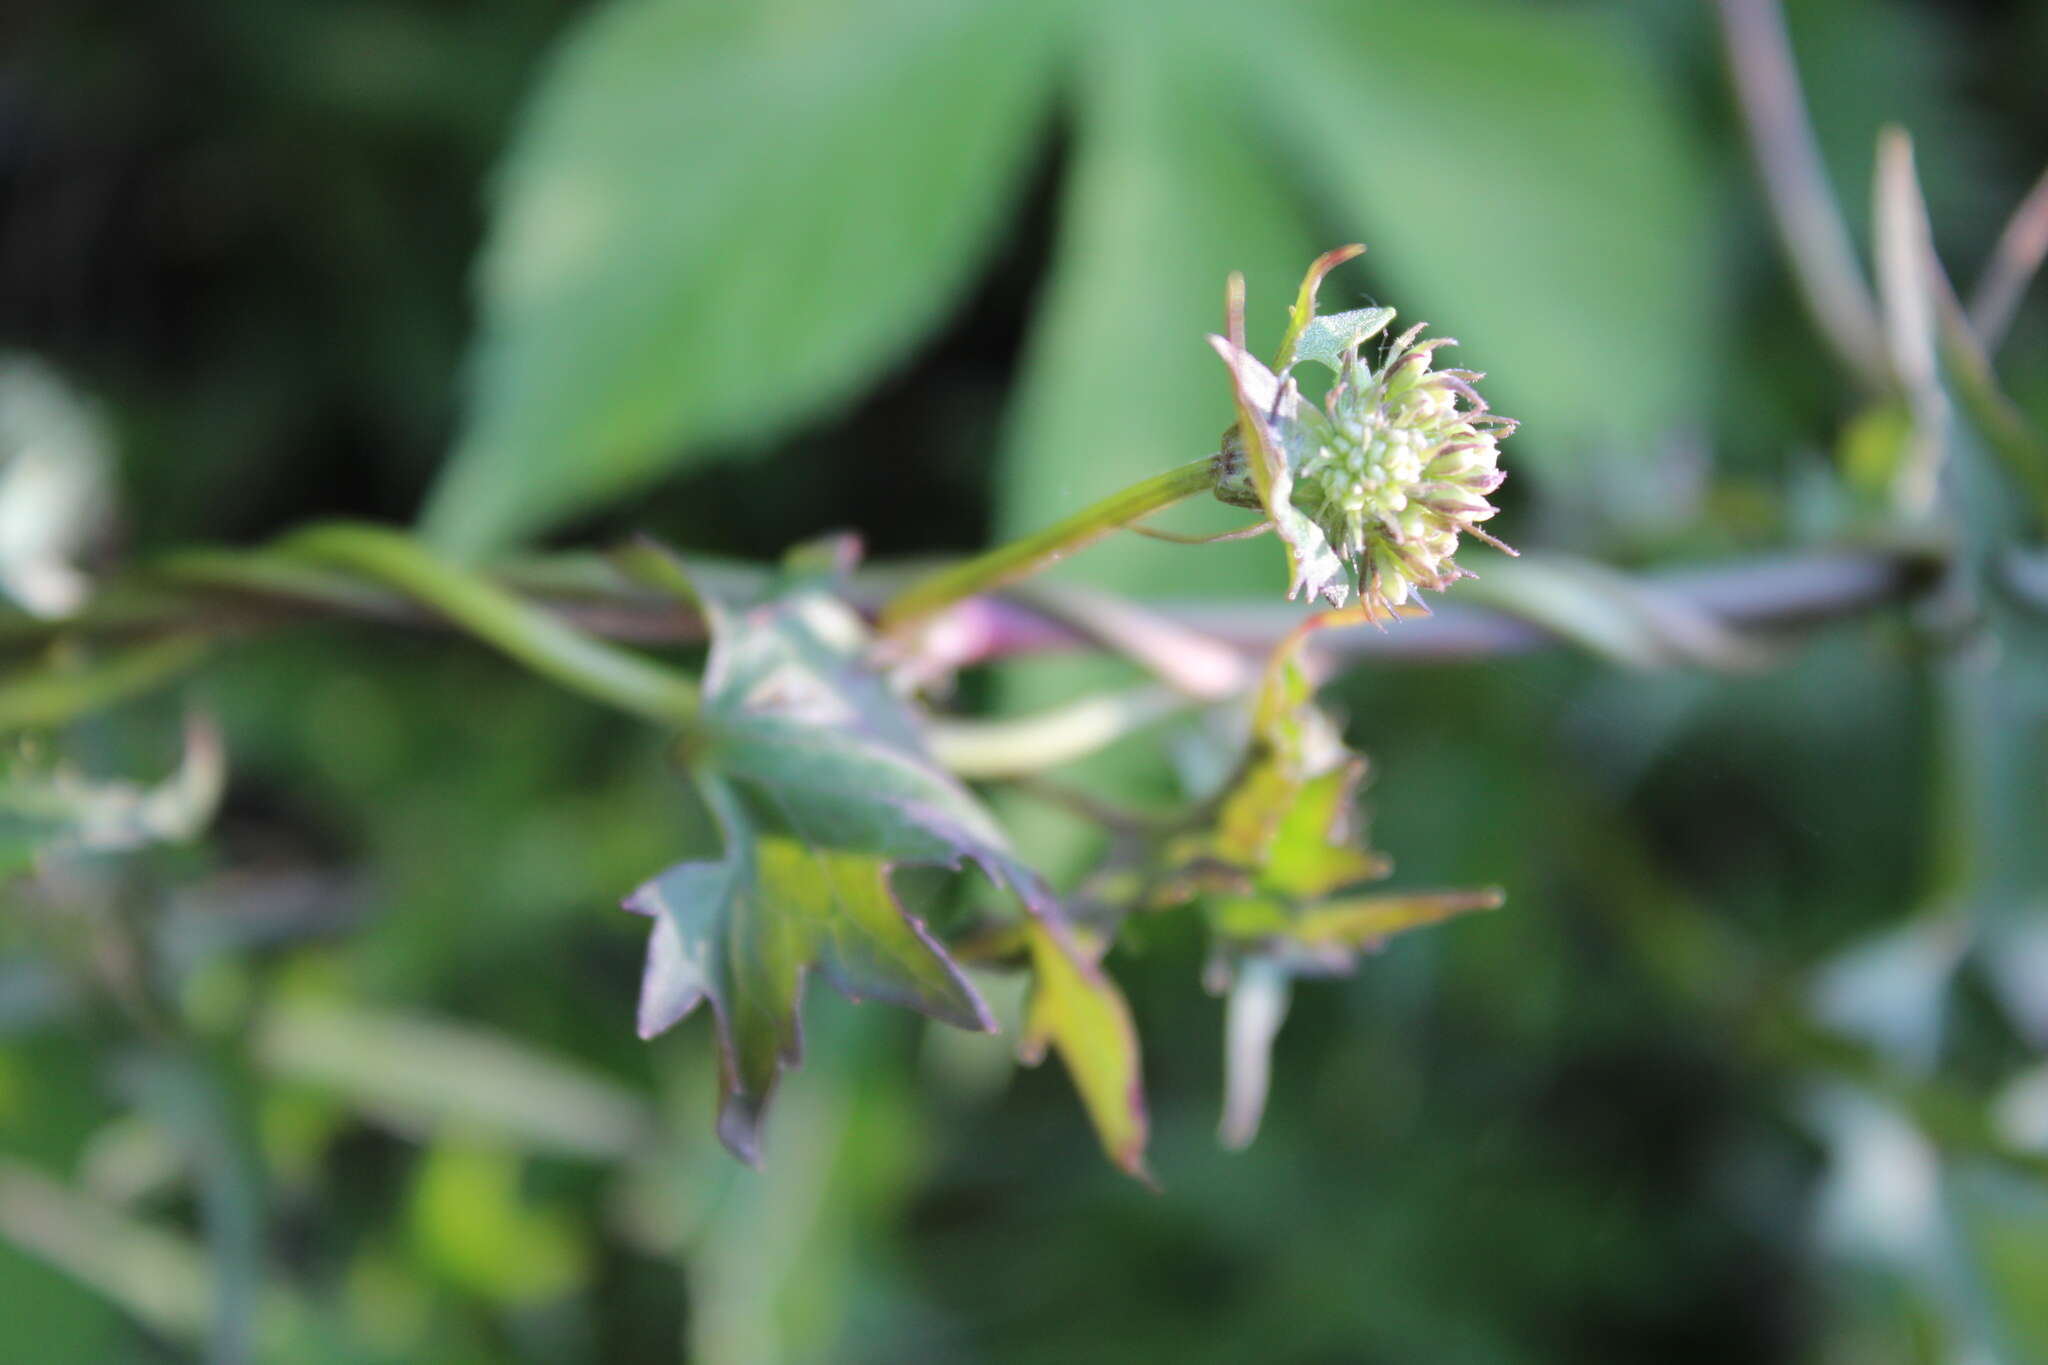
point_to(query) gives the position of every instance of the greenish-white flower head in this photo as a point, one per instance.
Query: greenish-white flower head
(1376, 488)
(1402, 470)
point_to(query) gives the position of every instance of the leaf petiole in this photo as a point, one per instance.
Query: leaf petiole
(1025, 556)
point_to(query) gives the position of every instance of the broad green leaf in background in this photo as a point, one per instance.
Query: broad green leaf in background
(717, 220)
(1170, 191)
(1525, 186)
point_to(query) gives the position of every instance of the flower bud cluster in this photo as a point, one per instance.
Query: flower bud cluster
(1406, 459)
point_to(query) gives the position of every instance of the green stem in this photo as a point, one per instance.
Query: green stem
(541, 642)
(58, 691)
(1026, 556)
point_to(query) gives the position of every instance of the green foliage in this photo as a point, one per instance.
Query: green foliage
(1751, 1071)
(1279, 868)
(655, 291)
(819, 784)
(656, 285)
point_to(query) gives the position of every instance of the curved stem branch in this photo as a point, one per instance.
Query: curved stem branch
(544, 644)
(1026, 556)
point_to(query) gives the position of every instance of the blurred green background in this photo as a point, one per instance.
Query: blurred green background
(548, 273)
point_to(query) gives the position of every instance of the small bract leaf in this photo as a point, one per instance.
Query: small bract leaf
(1280, 866)
(1077, 1009)
(1304, 311)
(1270, 420)
(1326, 339)
(1257, 1007)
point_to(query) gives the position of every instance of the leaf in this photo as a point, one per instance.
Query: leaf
(1272, 424)
(820, 783)
(1280, 866)
(742, 931)
(62, 812)
(716, 221)
(1526, 180)
(1076, 1009)
(1256, 1007)
(1327, 338)
(57, 488)
(1169, 191)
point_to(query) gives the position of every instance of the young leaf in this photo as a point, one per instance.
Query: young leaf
(1281, 865)
(1326, 339)
(742, 931)
(1272, 423)
(820, 783)
(1076, 1009)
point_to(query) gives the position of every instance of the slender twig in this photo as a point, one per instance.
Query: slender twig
(1047, 739)
(1181, 655)
(1772, 590)
(577, 661)
(2014, 262)
(1251, 532)
(1809, 221)
(1019, 558)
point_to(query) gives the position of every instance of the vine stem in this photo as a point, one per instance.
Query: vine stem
(542, 642)
(1020, 558)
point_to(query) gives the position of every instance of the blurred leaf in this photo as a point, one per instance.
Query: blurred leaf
(473, 1225)
(64, 813)
(56, 488)
(158, 1277)
(717, 220)
(1168, 193)
(1076, 1009)
(196, 1103)
(1892, 990)
(2003, 1222)
(1525, 181)
(419, 1074)
(1255, 1009)
(1277, 867)
(1904, 249)
(1622, 619)
(65, 686)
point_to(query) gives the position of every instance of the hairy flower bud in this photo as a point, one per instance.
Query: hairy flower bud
(1402, 468)
(1378, 485)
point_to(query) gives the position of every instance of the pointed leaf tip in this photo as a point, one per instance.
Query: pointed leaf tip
(815, 775)
(1077, 1010)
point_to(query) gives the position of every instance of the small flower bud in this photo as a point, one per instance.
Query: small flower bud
(1379, 485)
(1402, 469)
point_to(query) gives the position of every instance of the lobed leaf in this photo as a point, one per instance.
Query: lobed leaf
(820, 783)
(741, 932)
(1078, 1010)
